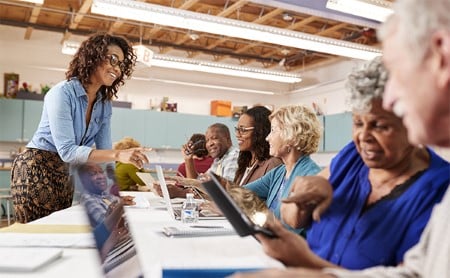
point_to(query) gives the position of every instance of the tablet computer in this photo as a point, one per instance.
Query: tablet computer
(238, 219)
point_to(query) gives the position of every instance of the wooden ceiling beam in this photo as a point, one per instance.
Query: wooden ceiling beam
(66, 36)
(188, 4)
(259, 20)
(232, 8)
(33, 19)
(185, 6)
(291, 27)
(80, 14)
(268, 15)
(332, 29)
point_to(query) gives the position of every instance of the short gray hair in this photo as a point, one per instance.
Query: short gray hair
(416, 21)
(366, 85)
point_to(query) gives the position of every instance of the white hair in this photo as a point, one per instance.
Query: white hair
(366, 85)
(416, 21)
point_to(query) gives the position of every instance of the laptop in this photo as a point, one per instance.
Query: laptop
(148, 179)
(121, 258)
(238, 219)
(175, 212)
(113, 239)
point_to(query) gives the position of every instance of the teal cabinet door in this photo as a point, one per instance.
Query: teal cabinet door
(31, 117)
(11, 120)
(182, 126)
(5, 177)
(322, 134)
(338, 131)
(155, 129)
(127, 122)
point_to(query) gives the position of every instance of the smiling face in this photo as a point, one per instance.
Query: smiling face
(217, 143)
(278, 147)
(93, 178)
(245, 137)
(380, 137)
(105, 74)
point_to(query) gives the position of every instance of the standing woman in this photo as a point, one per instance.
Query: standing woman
(76, 116)
(254, 159)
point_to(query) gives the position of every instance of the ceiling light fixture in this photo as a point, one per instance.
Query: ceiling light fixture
(194, 36)
(148, 58)
(226, 69)
(70, 47)
(378, 10)
(287, 17)
(162, 15)
(40, 2)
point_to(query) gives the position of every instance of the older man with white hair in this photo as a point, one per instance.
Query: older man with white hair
(416, 47)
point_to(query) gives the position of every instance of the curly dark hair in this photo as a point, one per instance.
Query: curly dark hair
(260, 116)
(199, 144)
(92, 53)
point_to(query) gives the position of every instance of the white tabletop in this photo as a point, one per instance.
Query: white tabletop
(155, 251)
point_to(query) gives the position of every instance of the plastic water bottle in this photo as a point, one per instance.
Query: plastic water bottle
(189, 210)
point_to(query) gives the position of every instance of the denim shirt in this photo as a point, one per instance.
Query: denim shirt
(62, 128)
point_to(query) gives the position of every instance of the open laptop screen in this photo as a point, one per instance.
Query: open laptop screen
(109, 225)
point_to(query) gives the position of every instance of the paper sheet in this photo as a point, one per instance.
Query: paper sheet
(44, 228)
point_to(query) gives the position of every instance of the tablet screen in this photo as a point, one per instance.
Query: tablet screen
(238, 218)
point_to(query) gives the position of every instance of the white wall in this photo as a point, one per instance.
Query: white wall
(40, 61)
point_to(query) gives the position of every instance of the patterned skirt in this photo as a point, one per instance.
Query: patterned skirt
(40, 184)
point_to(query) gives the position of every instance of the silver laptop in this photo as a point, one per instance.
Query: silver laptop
(175, 212)
(113, 239)
(148, 179)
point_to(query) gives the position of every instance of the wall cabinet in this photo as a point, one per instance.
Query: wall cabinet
(127, 122)
(11, 119)
(32, 110)
(337, 131)
(161, 129)
(20, 118)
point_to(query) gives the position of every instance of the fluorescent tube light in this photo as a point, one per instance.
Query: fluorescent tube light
(162, 15)
(40, 2)
(226, 69)
(148, 58)
(378, 10)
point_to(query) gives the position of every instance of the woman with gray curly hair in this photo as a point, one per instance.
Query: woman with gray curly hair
(379, 191)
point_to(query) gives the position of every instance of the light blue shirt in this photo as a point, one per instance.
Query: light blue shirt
(273, 186)
(62, 128)
(227, 165)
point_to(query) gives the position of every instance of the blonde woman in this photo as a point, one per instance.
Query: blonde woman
(294, 135)
(125, 173)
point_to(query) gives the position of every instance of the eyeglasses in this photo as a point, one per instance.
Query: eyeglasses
(243, 130)
(114, 61)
